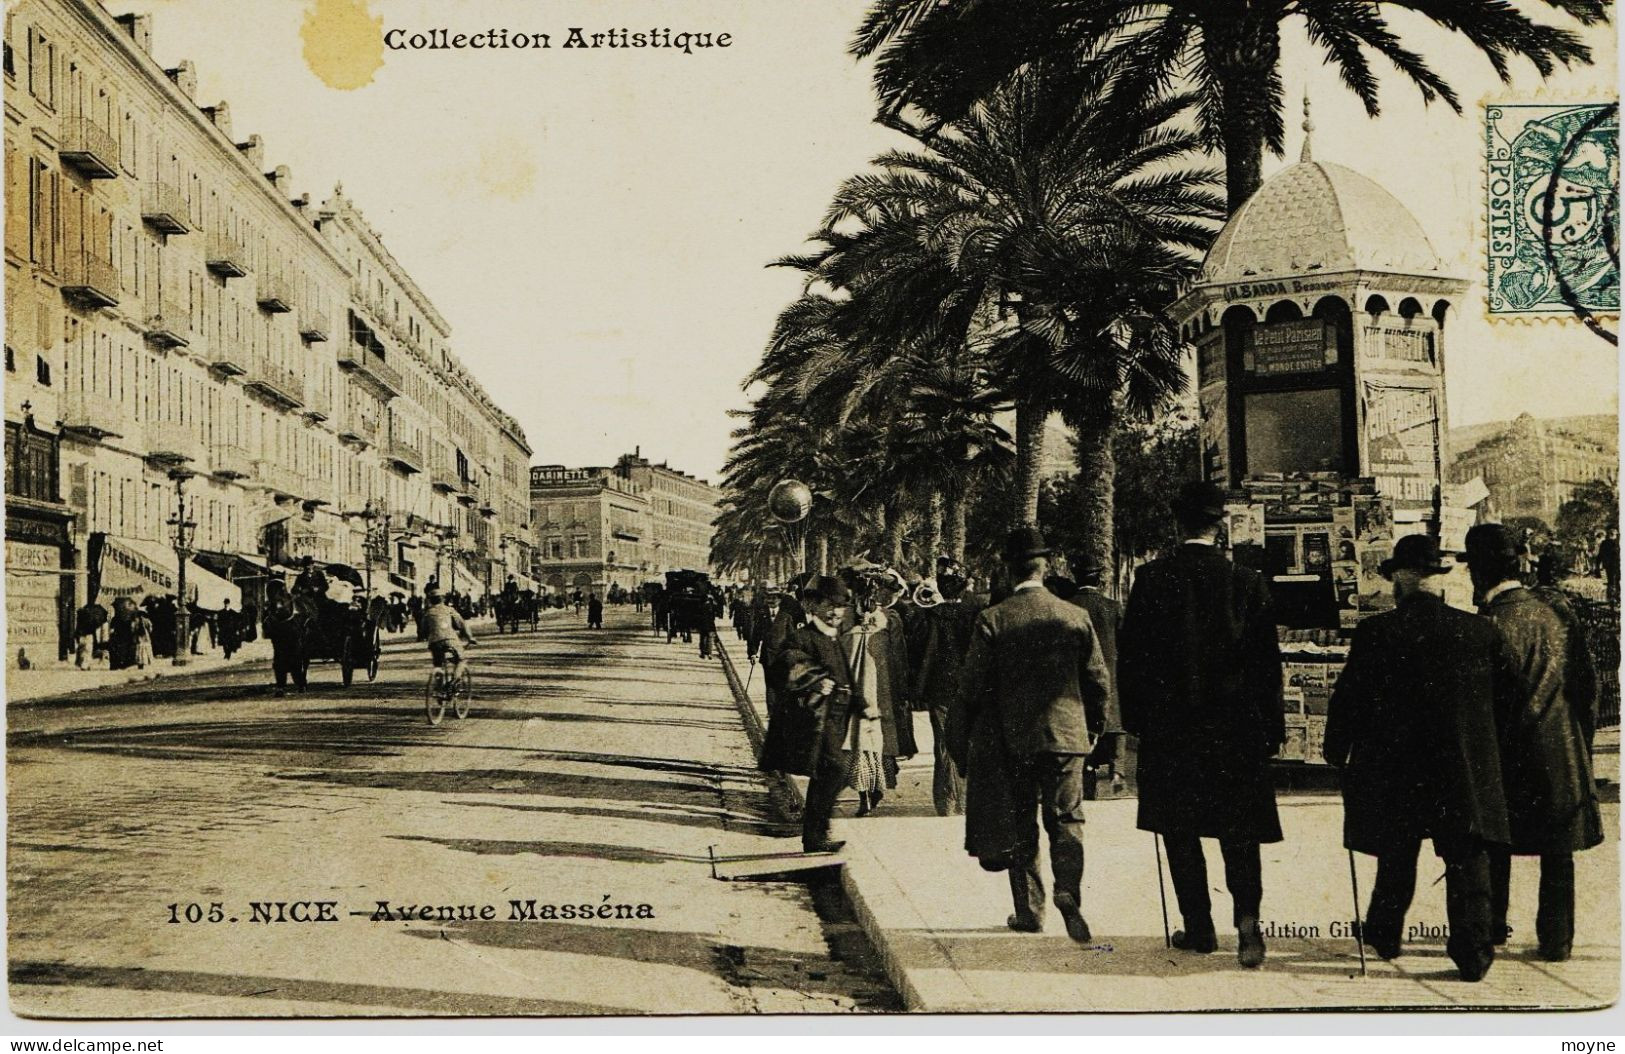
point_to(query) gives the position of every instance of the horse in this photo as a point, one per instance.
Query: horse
(288, 625)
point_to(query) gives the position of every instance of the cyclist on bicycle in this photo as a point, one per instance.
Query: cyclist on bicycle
(443, 628)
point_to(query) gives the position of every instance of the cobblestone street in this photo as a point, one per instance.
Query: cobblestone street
(597, 770)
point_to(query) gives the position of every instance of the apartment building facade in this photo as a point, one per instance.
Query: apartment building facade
(187, 341)
(592, 529)
(1531, 468)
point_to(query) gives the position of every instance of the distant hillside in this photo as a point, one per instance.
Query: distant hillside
(1599, 428)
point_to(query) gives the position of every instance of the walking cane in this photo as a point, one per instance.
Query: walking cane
(1359, 925)
(1162, 890)
(751, 673)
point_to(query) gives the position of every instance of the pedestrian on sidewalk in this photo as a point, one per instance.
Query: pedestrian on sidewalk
(141, 630)
(1106, 615)
(1033, 693)
(87, 623)
(881, 729)
(939, 639)
(231, 633)
(806, 736)
(1415, 723)
(1552, 806)
(595, 612)
(121, 634)
(1200, 684)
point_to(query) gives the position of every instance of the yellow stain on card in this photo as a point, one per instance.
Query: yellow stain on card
(344, 44)
(506, 170)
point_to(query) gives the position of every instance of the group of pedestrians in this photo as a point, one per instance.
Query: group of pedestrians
(138, 631)
(1470, 730)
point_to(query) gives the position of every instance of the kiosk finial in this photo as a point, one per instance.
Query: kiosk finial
(1308, 129)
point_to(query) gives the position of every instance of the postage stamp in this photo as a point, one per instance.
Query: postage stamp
(1552, 221)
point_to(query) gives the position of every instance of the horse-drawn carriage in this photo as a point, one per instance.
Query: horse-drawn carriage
(512, 609)
(688, 605)
(314, 623)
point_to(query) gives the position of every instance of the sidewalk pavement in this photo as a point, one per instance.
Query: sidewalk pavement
(64, 678)
(937, 919)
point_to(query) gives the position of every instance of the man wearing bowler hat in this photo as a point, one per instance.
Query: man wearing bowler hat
(1199, 681)
(1415, 725)
(1033, 688)
(1552, 808)
(813, 685)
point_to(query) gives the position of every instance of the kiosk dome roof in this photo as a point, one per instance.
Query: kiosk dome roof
(1318, 218)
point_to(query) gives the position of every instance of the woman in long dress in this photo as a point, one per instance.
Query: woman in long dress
(143, 640)
(864, 745)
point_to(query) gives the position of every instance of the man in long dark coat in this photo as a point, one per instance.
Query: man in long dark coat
(1199, 681)
(1415, 724)
(939, 639)
(1035, 686)
(1552, 806)
(814, 683)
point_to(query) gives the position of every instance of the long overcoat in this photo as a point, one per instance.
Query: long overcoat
(1552, 804)
(1199, 681)
(1033, 682)
(891, 667)
(1415, 724)
(939, 638)
(804, 727)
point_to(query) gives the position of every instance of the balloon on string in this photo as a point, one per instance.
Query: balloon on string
(789, 501)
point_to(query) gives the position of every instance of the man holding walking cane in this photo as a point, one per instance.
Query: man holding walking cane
(1199, 681)
(1415, 726)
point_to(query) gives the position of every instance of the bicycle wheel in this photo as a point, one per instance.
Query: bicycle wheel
(434, 697)
(462, 692)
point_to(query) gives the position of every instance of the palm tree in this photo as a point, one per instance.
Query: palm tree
(1070, 210)
(944, 56)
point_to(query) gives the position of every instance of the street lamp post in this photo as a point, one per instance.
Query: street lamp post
(184, 529)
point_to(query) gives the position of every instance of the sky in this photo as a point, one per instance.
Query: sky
(595, 225)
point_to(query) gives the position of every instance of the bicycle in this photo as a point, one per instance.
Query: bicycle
(444, 689)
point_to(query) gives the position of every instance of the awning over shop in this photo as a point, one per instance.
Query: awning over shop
(464, 582)
(235, 567)
(132, 567)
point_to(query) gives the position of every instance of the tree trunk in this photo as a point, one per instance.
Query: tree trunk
(1029, 460)
(953, 524)
(822, 563)
(1097, 475)
(1242, 51)
(896, 526)
(933, 535)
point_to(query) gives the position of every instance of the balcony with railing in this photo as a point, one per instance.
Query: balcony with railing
(226, 256)
(404, 455)
(281, 384)
(88, 277)
(172, 443)
(314, 326)
(443, 479)
(164, 208)
(318, 404)
(229, 358)
(279, 479)
(273, 294)
(93, 415)
(168, 324)
(368, 364)
(355, 428)
(229, 461)
(89, 147)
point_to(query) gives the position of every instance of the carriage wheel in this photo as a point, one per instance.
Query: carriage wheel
(372, 661)
(434, 696)
(462, 692)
